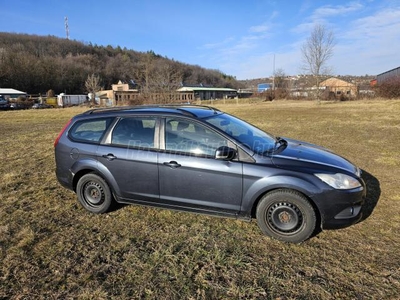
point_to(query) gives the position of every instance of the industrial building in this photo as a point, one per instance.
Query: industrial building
(388, 74)
(208, 93)
(9, 93)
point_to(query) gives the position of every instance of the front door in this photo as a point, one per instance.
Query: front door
(190, 176)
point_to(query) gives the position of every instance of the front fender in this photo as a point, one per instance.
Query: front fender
(253, 190)
(90, 164)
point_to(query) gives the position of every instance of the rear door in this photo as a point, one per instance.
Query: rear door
(130, 155)
(190, 176)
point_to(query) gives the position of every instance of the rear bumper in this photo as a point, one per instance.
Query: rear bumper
(65, 178)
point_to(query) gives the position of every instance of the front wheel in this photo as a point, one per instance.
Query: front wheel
(94, 193)
(286, 215)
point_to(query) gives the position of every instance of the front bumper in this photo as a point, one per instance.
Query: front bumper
(340, 208)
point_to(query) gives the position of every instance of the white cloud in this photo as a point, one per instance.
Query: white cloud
(322, 15)
(232, 51)
(259, 28)
(331, 10)
(382, 23)
(368, 42)
(233, 46)
(370, 45)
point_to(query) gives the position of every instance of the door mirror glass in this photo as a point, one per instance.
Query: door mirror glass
(225, 153)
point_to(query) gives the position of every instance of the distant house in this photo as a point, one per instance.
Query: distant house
(124, 92)
(120, 93)
(208, 93)
(388, 74)
(336, 87)
(9, 93)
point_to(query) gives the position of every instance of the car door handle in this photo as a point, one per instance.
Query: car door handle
(172, 164)
(109, 156)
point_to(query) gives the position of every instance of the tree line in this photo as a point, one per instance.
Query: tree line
(36, 64)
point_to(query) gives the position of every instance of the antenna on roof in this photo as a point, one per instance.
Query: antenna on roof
(66, 27)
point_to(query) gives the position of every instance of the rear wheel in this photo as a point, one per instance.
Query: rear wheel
(286, 215)
(94, 193)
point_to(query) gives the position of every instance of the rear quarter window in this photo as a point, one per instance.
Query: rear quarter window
(89, 131)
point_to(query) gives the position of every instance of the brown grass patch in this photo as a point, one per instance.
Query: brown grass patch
(50, 248)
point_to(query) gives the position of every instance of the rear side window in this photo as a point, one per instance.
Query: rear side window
(90, 131)
(134, 132)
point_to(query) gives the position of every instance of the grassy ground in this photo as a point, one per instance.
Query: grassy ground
(50, 248)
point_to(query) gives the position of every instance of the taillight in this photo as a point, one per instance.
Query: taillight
(61, 133)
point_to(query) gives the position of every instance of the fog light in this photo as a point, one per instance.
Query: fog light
(349, 212)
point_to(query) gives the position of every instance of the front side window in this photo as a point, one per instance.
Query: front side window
(185, 136)
(134, 132)
(90, 131)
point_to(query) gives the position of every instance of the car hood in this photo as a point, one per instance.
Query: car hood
(303, 152)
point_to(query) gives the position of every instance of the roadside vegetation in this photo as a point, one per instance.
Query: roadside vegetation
(35, 64)
(51, 248)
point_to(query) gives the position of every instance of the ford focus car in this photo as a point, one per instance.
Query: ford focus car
(200, 159)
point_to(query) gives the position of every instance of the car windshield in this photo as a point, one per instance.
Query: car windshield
(246, 134)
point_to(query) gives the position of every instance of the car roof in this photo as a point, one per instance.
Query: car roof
(197, 111)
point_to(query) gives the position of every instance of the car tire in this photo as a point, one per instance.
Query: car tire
(94, 194)
(286, 215)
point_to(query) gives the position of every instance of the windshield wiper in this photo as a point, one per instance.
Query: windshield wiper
(279, 142)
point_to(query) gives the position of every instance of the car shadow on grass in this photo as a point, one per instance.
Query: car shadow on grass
(373, 194)
(116, 206)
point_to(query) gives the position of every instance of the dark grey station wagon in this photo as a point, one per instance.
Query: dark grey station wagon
(200, 159)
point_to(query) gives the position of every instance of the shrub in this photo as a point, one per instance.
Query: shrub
(390, 88)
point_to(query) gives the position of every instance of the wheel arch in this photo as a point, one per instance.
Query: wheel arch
(79, 175)
(255, 190)
(82, 168)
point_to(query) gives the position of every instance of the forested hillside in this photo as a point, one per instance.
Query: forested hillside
(35, 64)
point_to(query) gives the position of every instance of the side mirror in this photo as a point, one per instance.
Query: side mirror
(225, 153)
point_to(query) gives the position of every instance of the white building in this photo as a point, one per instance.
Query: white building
(9, 93)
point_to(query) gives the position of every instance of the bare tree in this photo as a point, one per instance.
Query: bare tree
(279, 78)
(280, 84)
(92, 85)
(159, 79)
(316, 52)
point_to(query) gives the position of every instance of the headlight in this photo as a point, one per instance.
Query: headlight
(339, 181)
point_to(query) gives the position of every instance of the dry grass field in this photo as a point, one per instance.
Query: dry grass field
(51, 248)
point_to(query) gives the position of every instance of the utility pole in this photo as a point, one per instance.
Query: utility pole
(273, 74)
(66, 27)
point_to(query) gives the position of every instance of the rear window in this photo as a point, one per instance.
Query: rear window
(134, 132)
(90, 131)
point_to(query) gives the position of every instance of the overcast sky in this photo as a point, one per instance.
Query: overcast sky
(239, 38)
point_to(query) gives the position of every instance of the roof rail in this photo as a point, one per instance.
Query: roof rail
(179, 107)
(106, 109)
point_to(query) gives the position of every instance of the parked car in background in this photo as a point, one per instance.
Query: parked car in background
(16, 105)
(4, 104)
(200, 159)
(41, 106)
